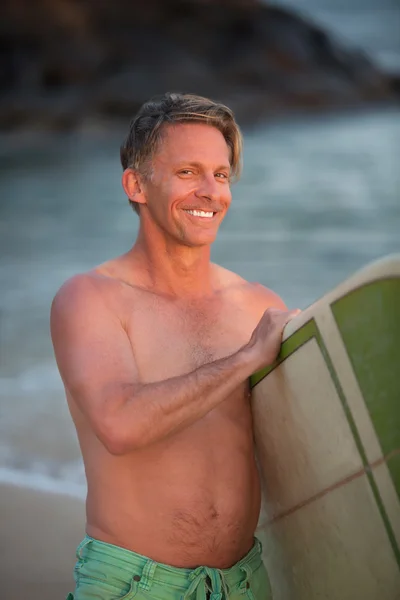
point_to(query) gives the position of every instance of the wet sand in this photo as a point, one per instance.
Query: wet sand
(39, 532)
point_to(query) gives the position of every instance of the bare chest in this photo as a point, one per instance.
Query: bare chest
(171, 339)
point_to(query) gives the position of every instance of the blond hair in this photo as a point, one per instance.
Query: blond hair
(146, 130)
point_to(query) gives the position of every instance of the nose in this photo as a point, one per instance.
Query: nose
(208, 188)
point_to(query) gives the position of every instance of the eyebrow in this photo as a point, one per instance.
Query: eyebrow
(200, 166)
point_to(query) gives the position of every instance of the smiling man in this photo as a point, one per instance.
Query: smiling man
(155, 349)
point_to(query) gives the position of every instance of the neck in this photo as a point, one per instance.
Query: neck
(172, 268)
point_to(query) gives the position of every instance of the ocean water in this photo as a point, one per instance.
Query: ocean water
(373, 25)
(319, 198)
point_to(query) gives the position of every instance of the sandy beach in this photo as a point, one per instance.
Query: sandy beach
(39, 533)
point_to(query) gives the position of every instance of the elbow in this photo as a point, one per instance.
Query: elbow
(116, 439)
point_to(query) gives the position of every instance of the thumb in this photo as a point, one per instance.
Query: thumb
(293, 313)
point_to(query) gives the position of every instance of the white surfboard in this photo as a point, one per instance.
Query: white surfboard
(327, 431)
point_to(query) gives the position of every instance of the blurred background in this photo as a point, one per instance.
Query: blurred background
(315, 87)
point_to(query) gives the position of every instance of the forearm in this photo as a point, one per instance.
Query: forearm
(153, 411)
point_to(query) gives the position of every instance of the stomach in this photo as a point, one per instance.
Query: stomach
(190, 500)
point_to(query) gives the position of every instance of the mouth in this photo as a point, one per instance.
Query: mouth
(200, 214)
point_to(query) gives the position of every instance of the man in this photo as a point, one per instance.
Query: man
(155, 349)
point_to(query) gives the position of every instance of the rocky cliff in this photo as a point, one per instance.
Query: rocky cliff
(63, 61)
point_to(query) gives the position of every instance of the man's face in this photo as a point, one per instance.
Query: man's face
(191, 172)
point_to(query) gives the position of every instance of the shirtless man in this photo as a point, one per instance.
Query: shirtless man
(155, 349)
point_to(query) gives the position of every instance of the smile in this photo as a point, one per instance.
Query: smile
(200, 213)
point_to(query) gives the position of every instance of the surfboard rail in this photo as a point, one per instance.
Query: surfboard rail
(326, 420)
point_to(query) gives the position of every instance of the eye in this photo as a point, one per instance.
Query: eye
(186, 172)
(222, 175)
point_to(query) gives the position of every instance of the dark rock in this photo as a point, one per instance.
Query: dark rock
(64, 61)
(394, 82)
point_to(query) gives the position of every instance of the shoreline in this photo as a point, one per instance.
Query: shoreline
(39, 534)
(42, 483)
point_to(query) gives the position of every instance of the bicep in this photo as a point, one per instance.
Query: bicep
(93, 351)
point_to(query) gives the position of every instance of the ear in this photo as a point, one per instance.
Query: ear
(133, 186)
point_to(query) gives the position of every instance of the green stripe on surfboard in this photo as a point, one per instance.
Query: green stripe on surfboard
(291, 345)
(372, 341)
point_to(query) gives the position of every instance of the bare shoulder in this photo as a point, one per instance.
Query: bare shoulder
(80, 300)
(92, 287)
(227, 279)
(79, 288)
(265, 297)
(254, 294)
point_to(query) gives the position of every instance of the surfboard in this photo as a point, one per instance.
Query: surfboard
(327, 433)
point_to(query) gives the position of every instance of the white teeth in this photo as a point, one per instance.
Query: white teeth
(200, 213)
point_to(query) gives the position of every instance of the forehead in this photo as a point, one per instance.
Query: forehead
(194, 142)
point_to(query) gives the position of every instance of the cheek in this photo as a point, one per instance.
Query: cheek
(180, 193)
(227, 196)
(161, 199)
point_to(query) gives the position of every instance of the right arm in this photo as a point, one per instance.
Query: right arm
(96, 363)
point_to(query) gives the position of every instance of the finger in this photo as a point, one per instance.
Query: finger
(292, 314)
(272, 311)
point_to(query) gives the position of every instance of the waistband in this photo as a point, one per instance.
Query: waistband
(203, 579)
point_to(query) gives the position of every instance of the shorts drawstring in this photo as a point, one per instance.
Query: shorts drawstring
(205, 579)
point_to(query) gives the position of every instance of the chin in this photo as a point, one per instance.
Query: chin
(201, 240)
(198, 238)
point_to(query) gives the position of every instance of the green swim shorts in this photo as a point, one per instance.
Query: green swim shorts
(107, 572)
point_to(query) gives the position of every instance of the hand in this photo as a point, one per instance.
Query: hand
(266, 339)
